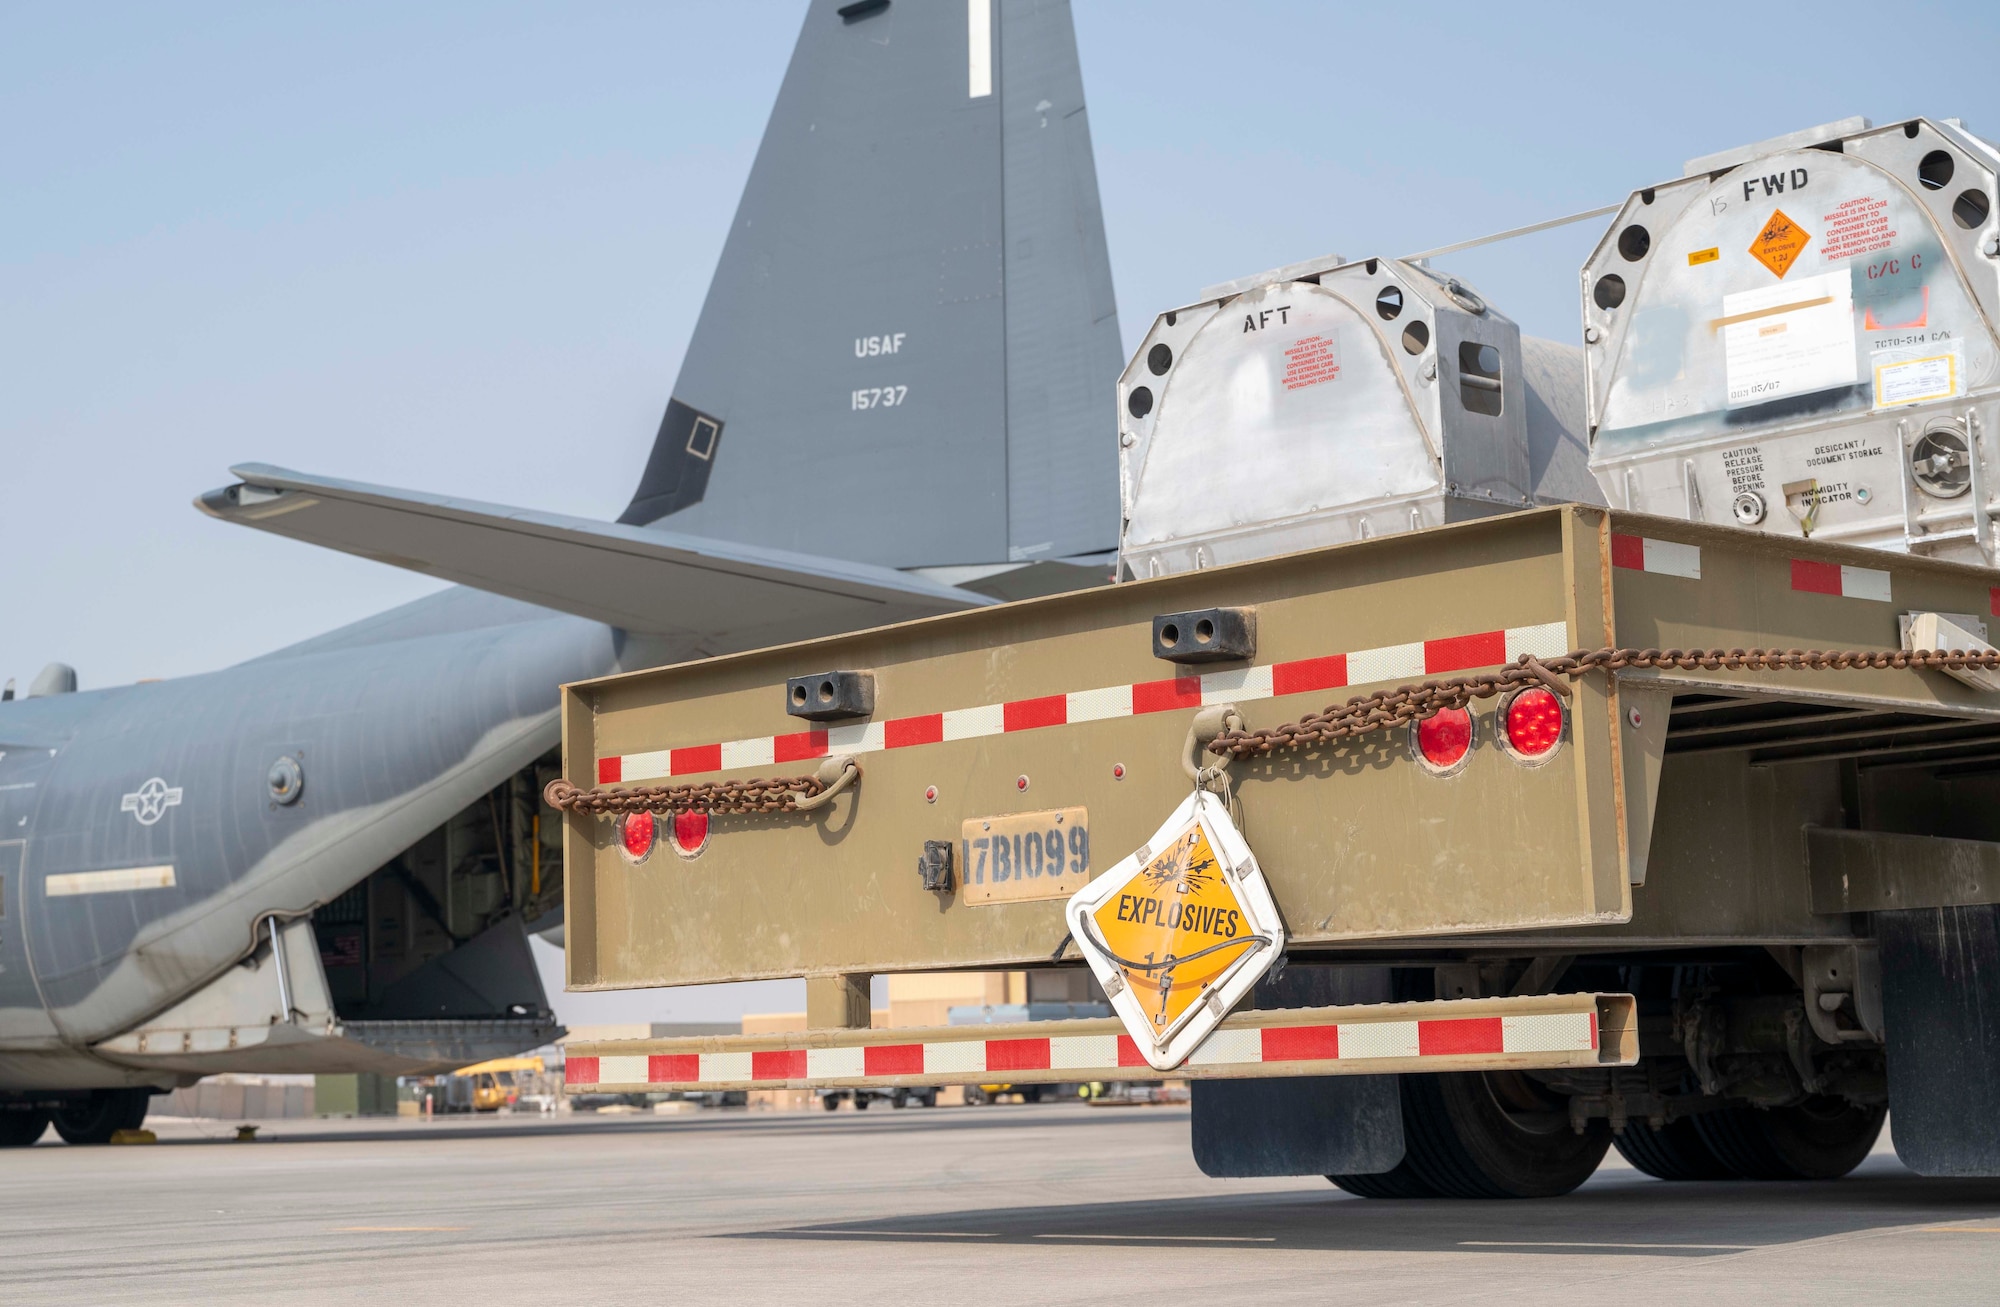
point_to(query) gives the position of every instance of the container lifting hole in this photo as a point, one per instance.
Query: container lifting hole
(1479, 381)
(1969, 210)
(1935, 170)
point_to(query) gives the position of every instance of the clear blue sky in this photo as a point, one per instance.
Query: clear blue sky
(460, 247)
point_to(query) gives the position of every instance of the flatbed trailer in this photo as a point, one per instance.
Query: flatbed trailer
(1776, 876)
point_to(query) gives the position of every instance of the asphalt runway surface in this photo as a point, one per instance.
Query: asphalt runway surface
(1045, 1205)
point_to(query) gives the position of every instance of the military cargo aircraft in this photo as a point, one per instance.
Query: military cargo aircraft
(896, 403)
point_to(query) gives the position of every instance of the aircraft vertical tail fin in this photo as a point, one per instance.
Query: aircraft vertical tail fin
(909, 347)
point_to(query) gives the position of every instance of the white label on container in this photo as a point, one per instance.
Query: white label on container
(1911, 376)
(1790, 339)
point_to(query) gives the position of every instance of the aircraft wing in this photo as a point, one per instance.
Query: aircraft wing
(640, 579)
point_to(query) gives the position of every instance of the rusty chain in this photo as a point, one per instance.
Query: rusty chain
(779, 794)
(1386, 709)
(756, 795)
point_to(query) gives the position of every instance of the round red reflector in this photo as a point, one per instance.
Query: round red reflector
(636, 831)
(1445, 736)
(690, 833)
(1534, 722)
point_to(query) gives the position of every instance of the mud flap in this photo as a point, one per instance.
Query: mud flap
(1941, 1009)
(1306, 1125)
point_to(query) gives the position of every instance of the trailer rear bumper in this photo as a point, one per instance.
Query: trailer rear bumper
(1484, 1034)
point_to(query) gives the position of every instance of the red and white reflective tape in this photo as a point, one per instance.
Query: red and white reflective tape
(1561, 1035)
(1837, 579)
(1334, 671)
(1644, 554)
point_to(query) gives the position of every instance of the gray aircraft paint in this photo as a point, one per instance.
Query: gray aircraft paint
(973, 231)
(908, 375)
(394, 735)
(706, 596)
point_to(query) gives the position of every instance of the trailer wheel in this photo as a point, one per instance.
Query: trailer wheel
(1674, 1152)
(20, 1129)
(829, 1101)
(102, 1115)
(1400, 1182)
(1822, 1138)
(1495, 1134)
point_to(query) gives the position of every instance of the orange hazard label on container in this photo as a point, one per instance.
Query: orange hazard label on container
(1779, 243)
(1175, 927)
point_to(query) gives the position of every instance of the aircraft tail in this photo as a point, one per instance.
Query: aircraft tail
(909, 348)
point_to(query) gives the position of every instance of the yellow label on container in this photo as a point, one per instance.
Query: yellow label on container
(1709, 255)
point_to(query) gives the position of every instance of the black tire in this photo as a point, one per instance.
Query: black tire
(107, 1111)
(1477, 1134)
(1401, 1182)
(861, 1102)
(1674, 1152)
(829, 1101)
(21, 1129)
(1822, 1138)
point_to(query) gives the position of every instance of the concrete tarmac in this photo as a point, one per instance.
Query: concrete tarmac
(1040, 1206)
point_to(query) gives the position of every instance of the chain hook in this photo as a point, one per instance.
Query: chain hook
(1208, 724)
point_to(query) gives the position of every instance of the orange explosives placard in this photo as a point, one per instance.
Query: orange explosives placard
(1177, 907)
(1178, 937)
(1778, 243)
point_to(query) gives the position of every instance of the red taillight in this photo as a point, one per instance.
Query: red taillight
(690, 833)
(1534, 723)
(1444, 738)
(636, 831)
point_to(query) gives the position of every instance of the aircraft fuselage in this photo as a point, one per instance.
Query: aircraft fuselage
(142, 841)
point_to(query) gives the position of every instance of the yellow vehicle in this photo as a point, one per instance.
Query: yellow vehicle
(493, 1084)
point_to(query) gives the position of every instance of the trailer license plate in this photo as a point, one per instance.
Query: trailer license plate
(1025, 855)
